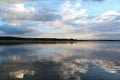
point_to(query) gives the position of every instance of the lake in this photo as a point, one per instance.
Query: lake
(86, 60)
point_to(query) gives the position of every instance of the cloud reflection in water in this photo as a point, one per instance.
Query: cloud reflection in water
(77, 61)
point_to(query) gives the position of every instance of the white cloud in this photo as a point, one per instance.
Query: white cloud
(16, 12)
(20, 12)
(18, 8)
(72, 12)
(21, 8)
(107, 16)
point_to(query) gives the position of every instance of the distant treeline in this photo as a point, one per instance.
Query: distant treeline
(18, 39)
(35, 39)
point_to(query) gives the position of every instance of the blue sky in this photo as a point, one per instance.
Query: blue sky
(80, 19)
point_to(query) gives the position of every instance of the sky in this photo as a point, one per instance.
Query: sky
(79, 19)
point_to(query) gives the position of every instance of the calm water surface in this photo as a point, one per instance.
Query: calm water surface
(60, 61)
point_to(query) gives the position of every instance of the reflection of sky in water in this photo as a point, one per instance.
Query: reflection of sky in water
(77, 61)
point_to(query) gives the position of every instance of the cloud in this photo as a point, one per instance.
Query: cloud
(106, 26)
(57, 24)
(20, 12)
(107, 16)
(100, 27)
(99, 30)
(67, 19)
(15, 1)
(70, 35)
(73, 12)
(111, 36)
(12, 29)
(98, 0)
(95, 0)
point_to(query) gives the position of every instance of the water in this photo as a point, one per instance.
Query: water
(60, 61)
